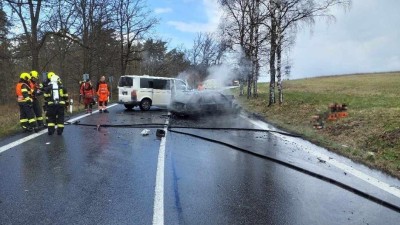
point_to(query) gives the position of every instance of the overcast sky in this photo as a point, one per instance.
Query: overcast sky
(365, 38)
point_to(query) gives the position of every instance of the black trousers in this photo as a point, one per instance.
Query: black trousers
(26, 115)
(55, 116)
(37, 109)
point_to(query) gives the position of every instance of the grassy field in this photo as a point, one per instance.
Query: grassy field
(371, 132)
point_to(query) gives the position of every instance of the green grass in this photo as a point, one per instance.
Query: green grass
(371, 133)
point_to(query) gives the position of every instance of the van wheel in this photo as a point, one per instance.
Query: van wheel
(145, 105)
(129, 107)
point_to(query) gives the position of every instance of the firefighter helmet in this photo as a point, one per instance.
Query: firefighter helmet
(50, 74)
(34, 74)
(25, 76)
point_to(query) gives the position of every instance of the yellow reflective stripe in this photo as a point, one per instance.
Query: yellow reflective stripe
(51, 124)
(39, 118)
(60, 125)
(23, 120)
(62, 102)
(24, 90)
(32, 120)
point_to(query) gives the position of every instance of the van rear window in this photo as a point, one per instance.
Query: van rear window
(125, 82)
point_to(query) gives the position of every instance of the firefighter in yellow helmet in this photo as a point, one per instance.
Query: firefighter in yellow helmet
(36, 91)
(56, 97)
(23, 91)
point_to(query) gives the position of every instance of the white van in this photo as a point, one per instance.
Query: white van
(146, 91)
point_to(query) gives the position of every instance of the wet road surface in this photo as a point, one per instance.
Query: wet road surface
(108, 176)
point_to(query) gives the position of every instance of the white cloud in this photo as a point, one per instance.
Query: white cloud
(162, 10)
(364, 39)
(213, 14)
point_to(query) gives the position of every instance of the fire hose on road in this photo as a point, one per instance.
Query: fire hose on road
(172, 129)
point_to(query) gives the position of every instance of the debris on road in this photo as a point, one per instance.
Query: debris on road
(145, 132)
(160, 133)
(321, 160)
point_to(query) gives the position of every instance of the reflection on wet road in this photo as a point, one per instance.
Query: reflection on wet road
(108, 176)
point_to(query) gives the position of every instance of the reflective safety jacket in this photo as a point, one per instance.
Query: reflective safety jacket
(35, 89)
(23, 92)
(87, 90)
(102, 89)
(55, 94)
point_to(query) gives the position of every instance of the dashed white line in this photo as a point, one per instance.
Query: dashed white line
(158, 211)
(35, 135)
(348, 169)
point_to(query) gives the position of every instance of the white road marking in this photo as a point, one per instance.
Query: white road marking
(32, 136)
(158, 211)
(348, 169)
(20, 141)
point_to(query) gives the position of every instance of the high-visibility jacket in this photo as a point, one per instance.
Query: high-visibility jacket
(50, 98)
(87, 90)
(23, 92)
(102, 91)
(35, 88)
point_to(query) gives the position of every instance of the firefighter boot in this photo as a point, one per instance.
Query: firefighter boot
(51, 130)
(40, 124)
(60, 130)
(33, 126)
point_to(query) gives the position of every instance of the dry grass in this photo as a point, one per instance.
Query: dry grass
(371, 133)
(9, 119)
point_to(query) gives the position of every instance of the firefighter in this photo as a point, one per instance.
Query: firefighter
(27, 116)
(56, 97)
(102, 93)
(36, 91)
(87, 93)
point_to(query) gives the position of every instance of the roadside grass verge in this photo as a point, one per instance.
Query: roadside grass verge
(371, 132)
(9, 119)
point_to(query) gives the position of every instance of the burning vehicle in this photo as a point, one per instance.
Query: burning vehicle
(207, 102)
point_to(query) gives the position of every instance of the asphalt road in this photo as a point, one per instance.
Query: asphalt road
(109, 175)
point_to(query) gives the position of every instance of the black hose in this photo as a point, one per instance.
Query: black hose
(161, 125)
(299, 169)
(302, 170)
(235, 129)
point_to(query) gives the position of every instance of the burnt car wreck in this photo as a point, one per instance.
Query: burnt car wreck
(208, 102)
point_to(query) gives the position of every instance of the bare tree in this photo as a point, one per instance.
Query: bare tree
(133, 21)
(206, 51)
(290, 14)
(6, 64)
(29, 13)
(242, 27)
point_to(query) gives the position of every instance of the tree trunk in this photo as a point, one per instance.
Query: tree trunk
(241, 87)
(34, 13)
(249, 83)
(279, 71)
(256, 49)
(272, 64)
